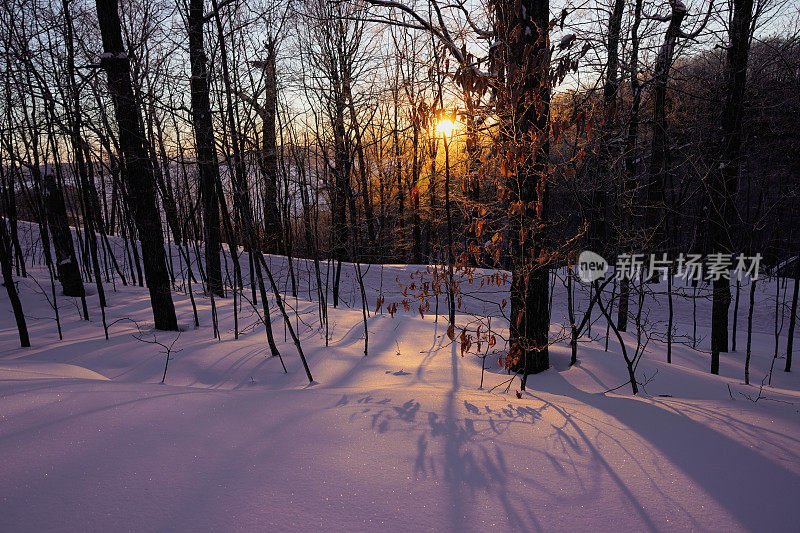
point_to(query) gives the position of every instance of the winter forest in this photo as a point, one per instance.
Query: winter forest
(293, 265)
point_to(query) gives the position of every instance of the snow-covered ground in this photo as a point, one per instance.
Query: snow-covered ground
(402, 439)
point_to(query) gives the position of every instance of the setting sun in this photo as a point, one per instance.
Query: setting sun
(446, 126)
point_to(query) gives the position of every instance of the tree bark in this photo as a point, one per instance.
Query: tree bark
(8, 281)
(630, 179)
(138, 170)
(526, 106)
(205, 148)
(659, 157)
(725, 182)
(272, 220)
(341, 177)
(66, 264)
(597, 233)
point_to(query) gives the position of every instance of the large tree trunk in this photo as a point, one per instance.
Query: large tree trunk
(138, 172)
(272, 219)
(66, 264)
(92, 216)
(339, 195)
(597, 234)
(659, 158)
(724, 185)
(8, 281)
(527, 106)
(205, 148)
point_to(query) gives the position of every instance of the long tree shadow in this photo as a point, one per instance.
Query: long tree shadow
(755, 490)
(462, 444)
(464, 452)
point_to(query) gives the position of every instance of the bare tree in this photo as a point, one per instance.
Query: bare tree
(722, 191)
(138, 169)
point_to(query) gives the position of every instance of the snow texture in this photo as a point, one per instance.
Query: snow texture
(402, 439)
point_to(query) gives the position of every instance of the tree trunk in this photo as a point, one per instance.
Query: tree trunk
(724, 184)
(272, 220)
(66, 264)
(398, 175)
(362, 167)
(138, 172)
(205, 148)
(341, 177)
(242, 198)
(527, 105)
(598, 228)
(416, 230)
(629, 183)
(660, 156)
(793, 316)
(451, 300)
(8, 281)
(10, 208)
(749, 331)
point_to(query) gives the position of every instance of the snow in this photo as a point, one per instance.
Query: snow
(400, 439)
(13, 370)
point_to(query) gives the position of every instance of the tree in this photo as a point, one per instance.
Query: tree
(11, 288)
(525, 106)
(273, 230)
(138, 167)
(66, 264)
(725, 179)
(205, 148)
(522, 84)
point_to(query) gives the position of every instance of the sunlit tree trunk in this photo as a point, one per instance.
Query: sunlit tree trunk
(526, 108)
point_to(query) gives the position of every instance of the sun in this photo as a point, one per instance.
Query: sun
(446, 127)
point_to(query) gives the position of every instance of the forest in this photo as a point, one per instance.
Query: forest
(560, 239)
